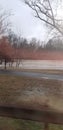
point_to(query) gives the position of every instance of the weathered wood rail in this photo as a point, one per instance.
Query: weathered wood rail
(44, 115)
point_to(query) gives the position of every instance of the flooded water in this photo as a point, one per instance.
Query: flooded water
(41, 64)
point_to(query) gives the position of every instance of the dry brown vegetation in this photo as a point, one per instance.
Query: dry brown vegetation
(30, 92)
(45, 71)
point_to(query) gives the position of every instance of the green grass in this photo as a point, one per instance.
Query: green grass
(18, 124)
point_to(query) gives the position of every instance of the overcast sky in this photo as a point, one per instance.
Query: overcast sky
(23, 21)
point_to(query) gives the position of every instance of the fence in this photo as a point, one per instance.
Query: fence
(46, 116)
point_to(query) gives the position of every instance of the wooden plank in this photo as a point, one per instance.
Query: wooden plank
(45, 116)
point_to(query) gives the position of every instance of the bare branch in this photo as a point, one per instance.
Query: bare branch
(4, 21)
(44, 11)
(51, 12)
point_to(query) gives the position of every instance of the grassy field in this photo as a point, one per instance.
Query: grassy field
(16, 90)
(46, 71)
(31, 92)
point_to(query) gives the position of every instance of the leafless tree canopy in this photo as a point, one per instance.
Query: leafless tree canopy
(4, 21)
(46, 11)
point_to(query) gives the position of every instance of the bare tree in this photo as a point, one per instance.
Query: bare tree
(6, 50)
(4, 21)
(46, 11)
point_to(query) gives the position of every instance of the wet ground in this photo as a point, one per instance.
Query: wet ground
(33, 74)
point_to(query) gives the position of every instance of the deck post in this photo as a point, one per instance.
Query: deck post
(46, 127)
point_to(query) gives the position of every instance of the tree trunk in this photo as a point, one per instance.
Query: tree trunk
(5, 64)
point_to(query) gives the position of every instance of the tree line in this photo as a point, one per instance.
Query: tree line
(14, 48)
(55, 43)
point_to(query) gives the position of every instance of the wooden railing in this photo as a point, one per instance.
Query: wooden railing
(46, 116)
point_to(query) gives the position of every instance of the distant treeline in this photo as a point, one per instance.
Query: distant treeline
(14, 48)
(34, 44)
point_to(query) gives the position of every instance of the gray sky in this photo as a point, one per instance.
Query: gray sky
(23, 21)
